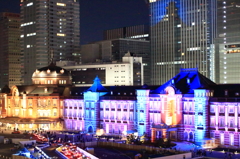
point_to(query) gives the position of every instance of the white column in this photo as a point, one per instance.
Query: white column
(128, 111)
(226, 117)
(121, 107)
(24, 102)
(115, 113)
(110, 110)
(236, 116)
(216, 114)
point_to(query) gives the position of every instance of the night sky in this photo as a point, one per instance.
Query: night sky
(99, 15)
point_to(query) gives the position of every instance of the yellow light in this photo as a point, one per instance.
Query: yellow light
(60, 34)
(62, 71)
(61, 4)
(99, 132)
(151, 1)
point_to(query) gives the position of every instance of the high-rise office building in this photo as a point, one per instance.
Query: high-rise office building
(227, 46)
(10, 61)
(125, 39)
(48, 28)
(182, 33)
(115, 49)
(140, 32)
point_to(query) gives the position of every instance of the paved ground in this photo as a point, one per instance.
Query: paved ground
(186, 146)
(7, 150)
(111, 153)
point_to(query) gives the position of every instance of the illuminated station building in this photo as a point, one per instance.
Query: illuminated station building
(188, 107)
(38, 105)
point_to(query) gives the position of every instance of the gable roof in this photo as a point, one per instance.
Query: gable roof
(186, 81)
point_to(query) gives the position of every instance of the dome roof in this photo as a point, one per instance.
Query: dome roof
(50, 70)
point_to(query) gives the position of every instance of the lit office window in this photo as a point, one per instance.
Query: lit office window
(29, 4)
(60, 34)
(61, 4)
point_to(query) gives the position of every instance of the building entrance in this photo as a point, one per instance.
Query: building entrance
(90, 129)
(44, 126)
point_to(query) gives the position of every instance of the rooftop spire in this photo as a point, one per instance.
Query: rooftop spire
(97, 86)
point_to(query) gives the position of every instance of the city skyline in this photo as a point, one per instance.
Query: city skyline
(198, 37)
(107, 14)
(191, 40)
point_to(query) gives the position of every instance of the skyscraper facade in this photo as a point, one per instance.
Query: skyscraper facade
(118, 41)
(227, 46)
(140, 32)
(10, 63)
(182, 34)
(49, 29)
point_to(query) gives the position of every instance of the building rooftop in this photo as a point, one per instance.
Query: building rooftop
(53, 68)
(186, 81)
(97, 86)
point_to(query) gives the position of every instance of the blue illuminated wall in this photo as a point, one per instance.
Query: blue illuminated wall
(181, 105)
(91, 111)
(159, 10)
(143, 112)
(201, 97)
(92, 105)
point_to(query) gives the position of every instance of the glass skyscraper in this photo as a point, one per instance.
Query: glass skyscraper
(10, 63)
(228, 42)
(182, 35)
(140, 32)
(49, 28)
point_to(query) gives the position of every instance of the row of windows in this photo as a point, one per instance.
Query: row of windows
(188, 106)
(40, 113)
(73, 104)
(221, 109)
(85, 69)
(72, 113)
(117, 116)
(118, 77)
(118, 106)
(221, 122)
(119, 81)
(51, 82)
(118, 65)
(79, 82)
